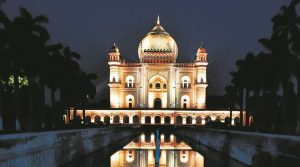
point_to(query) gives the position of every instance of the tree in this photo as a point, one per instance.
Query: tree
(26, 55)
(22, 41)
(269, 73)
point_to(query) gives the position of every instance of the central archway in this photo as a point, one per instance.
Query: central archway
(157, 103)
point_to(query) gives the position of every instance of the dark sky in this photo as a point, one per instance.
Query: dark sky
(229, 29)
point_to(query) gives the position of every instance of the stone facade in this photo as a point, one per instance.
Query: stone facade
(157, 81)
(158, 89)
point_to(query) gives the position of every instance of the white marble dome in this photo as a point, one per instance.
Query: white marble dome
(158, 45)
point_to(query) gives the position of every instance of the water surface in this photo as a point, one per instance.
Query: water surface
(148, 149)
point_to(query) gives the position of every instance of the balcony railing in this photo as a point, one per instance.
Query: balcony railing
(131, 85)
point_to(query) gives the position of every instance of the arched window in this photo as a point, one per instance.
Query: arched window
(157, 86)
(116, 119)
(165, 86)
(148, 120)
(179, 120)
(157, 120)
(185, 101)
(136, 119)
(150, 85)
(185, 82)
(189, 120)
(97, 119)
(184, 157)
(207, 119)
(167, 120)
(198, 120)
(125, 119)
(129, 81)
(129, 156)
(114, 76)
(157, 103)
(159, 82)
(130, 101)
(106, 119)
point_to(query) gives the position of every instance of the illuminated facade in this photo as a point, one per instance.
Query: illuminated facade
(158, 81)
(158, 89)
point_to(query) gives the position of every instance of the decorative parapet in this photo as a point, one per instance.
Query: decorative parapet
(131, 64)
(184, 64)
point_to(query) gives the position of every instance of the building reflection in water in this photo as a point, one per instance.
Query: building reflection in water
(141, 152)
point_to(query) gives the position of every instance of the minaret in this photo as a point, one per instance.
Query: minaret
(201, 83)
(114, 62)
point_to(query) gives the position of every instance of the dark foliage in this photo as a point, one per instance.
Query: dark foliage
(28, 65)
(269, 80)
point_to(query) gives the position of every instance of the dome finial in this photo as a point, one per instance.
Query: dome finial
(114, 49)
(158, 21)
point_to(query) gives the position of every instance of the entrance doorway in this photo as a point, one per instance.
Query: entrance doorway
(157, 103)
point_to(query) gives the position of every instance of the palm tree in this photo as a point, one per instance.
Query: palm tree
(71, 71)
(284, 48)
(37, 39)
(25, 52)
(22, 41)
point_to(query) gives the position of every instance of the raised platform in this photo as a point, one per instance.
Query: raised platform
(153, 116)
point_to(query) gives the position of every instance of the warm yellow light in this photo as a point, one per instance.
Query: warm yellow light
(115, 157)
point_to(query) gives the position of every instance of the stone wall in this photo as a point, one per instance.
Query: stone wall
(55, 148)
(255, 149)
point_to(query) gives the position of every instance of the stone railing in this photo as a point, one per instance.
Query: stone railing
(55, 148)
(255, 149)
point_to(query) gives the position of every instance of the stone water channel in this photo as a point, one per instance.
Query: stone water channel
(151, 146)
(154, 148)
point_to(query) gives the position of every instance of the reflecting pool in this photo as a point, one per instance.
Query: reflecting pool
(142, 152)
(151, 149)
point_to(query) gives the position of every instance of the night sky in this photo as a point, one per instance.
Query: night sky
(228, 29)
